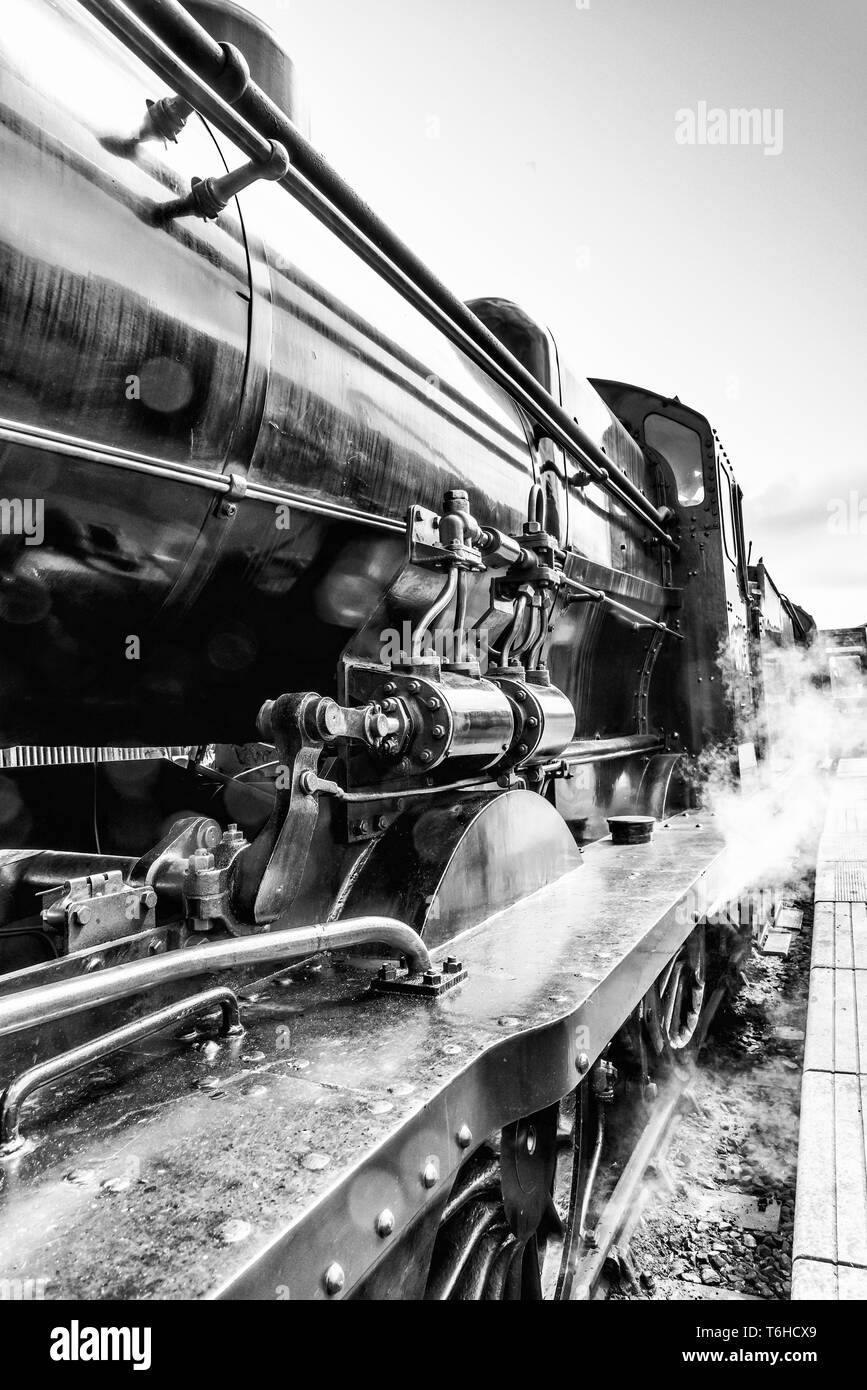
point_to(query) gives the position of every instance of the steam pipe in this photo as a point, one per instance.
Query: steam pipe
(531, 636)
(168, 31)
(34, 1007)
(460, 629)
(514, 626)
(439, 605)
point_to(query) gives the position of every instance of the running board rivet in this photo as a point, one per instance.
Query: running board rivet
(464, 1137)
(334, 1279)
(430, 1174)
(385, 1223)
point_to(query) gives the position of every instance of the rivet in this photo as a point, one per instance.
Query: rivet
(582, 1062)
(464, 1137)
(385, 1223)
(334, 1279)
(430, 1174)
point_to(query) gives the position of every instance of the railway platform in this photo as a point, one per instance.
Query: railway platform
(830, 1239)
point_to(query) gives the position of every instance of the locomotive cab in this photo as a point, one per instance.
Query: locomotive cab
(710, 679)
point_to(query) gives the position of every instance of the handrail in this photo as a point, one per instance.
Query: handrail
(591, 595)
(62, 998)
(253, 121)
(77, 1058)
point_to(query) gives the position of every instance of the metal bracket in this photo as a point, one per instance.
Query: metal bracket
(98, 908)
(428, 985)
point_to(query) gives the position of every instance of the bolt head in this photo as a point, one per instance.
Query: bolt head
(432, 977)
(464, 1137)
(334, 1279)
(81, 915)
(391, 688)
(430, 1174)
(582, 1062)
(385, 1223)
(426, 756)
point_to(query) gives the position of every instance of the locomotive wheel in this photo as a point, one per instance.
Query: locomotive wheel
(673, 1005)
(510, 1230)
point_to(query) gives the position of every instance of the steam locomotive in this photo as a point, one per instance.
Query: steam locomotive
(324, 599)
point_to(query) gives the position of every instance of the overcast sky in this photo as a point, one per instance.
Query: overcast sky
(529, 148)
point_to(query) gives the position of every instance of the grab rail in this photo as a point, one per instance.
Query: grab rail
(77, 1058)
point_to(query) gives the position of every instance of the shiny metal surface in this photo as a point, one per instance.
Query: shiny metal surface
(445, 866)
(206, 354)
(78, 1058)
(373, 1092)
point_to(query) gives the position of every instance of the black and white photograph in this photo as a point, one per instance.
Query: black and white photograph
(433, 671)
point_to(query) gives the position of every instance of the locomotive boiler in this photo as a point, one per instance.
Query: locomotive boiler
(336, 616)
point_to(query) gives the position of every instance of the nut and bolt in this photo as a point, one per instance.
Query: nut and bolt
(438, 731)
(425, 756)
(388, 974)
(452, 966)
(433, 702)
(390, 689)
(432, 977)
(228, 509)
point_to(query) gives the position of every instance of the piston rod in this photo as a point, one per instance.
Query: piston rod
(174, 45)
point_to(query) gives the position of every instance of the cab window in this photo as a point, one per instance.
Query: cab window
(728, 517)
(681, 448)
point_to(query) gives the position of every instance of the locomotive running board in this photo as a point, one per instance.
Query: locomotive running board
(292, 1162)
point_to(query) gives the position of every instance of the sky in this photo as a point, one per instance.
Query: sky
(538, 150)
